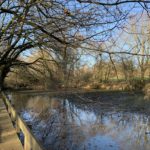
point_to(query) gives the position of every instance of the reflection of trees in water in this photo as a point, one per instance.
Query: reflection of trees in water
(63, 124)
(122, 126)
(50, 121)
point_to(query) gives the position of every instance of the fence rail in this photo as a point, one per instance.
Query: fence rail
(30, 142)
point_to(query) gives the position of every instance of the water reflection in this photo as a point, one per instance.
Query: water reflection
(64, 124)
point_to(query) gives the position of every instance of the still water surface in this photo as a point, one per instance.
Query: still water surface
(65, 123)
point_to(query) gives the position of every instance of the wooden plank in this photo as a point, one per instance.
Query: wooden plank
(8, 137)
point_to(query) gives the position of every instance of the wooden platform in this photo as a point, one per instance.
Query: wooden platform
(8, 137)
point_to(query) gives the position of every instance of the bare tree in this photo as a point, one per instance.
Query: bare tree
(29, 24)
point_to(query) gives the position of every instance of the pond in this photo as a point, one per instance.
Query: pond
(89, 121)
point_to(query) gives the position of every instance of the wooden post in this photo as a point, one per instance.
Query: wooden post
(27, 145)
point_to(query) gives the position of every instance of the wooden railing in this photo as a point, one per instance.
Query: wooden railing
(30, 142)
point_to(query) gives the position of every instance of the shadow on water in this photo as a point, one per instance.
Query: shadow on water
(109, 122)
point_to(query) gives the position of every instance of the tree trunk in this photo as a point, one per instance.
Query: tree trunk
(3, 73)
(143, 70)
(1, 82)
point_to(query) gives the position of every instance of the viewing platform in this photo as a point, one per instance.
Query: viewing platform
(8, 135)
(11, 124)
